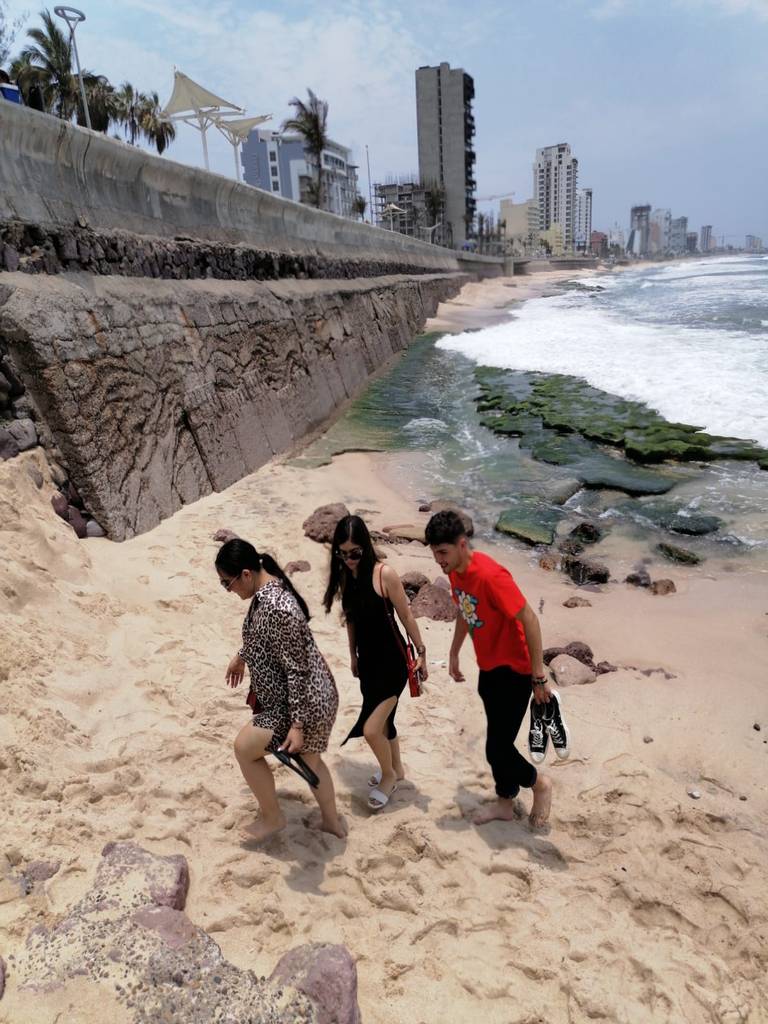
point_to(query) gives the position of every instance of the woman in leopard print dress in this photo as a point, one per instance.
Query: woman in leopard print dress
(292, 693)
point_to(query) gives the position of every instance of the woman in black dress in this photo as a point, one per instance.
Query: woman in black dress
(370, 594)
(293, 695)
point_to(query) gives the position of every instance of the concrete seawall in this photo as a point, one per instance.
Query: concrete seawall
(54, 174)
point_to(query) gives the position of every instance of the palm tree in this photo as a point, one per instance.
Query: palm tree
(158, 131)
(45, 66)
(129, 111)
(102, 103)
(310, 120)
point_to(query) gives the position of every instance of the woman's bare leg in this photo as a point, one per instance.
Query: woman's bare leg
(375, 735)
(331, 821)
(250, 747)
(397, 764)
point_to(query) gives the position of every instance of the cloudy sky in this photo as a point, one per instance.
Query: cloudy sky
(662, 101)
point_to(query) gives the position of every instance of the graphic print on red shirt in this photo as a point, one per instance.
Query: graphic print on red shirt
(489, 599)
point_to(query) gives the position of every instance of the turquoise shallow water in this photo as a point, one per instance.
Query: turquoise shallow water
(424, 405)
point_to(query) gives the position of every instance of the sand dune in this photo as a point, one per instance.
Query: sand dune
(641, 905)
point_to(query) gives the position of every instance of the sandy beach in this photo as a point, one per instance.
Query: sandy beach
(642, 905)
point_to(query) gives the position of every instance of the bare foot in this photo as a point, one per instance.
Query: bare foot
(503, 809)
(542, 802)
(262, 829)
(336, 827)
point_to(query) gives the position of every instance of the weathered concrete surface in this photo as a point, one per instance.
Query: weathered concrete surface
(127, 953)
(155, 393)
(54, 174)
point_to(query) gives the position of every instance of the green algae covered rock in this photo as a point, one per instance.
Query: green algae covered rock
(531, 521)
(562, 418)
(682, 556)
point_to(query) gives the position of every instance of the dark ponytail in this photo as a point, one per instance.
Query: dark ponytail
(237, 555)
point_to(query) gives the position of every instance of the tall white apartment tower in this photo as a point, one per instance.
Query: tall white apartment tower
(583, 229)
(555, 176)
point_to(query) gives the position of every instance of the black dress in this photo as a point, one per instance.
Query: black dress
(381, 663)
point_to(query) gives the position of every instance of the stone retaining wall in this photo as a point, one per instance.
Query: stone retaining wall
(153, 393)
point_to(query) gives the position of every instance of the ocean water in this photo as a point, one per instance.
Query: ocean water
(690, 340)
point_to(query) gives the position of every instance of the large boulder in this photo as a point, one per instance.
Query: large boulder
(663, 587)
(327, 975)
(127, 951)
(405, 532)
(322, 523)
(413, 582)
(434, 602)
(582, 571)
(9, 447)
(570, 672)
(682, 556)
(299, 566)
(531, 521)
(586, 533)
(639, 578)
(24, 433)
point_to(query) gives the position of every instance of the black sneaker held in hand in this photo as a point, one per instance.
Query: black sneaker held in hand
(555, 727)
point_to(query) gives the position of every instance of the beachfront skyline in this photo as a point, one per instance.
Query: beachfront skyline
(645, 93)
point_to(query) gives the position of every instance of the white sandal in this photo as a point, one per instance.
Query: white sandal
(377, 799)
(375, 779)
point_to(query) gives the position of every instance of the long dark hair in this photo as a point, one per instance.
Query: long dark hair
(340, 579)
(237, 554)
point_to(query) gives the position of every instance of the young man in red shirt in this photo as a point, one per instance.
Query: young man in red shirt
(507, 640)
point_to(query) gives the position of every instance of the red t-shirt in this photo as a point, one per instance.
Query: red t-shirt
(489, 599)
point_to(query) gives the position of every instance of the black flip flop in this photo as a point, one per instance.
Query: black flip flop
(300, 766)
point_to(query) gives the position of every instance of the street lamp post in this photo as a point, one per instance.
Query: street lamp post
(73, 17)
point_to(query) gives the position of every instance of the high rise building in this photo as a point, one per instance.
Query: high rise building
(278, 163)
(446, 128)
(639, 231)
(678, 235)
(660, 231)
(705, 239)
(521, 224)
(692, 240)
(754, 243)
(583, 230)
(555, 176)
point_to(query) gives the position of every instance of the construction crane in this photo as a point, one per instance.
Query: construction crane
(489, 199)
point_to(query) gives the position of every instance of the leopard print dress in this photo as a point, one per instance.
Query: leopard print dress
(289, 675)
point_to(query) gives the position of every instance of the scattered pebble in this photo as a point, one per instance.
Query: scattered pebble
(742, 798)
(647, 739)
(694, 794)
(756, 727)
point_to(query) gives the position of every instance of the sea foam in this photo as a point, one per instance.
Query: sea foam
(711, 377)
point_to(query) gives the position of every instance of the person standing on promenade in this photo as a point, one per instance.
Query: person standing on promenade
(370, 593)
(293, 694)
(507, 640)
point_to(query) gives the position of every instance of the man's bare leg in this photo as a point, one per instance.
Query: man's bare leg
(542, 801)
(508, 809)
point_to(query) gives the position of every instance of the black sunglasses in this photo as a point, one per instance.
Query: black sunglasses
(350, 556)
(228, 583)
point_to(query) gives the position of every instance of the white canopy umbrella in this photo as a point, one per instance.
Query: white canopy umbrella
(237, 130)
(196, 106)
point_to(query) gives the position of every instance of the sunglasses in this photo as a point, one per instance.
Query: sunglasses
(228, 583)
(350, 556)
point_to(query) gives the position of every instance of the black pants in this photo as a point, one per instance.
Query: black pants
(506, 695)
